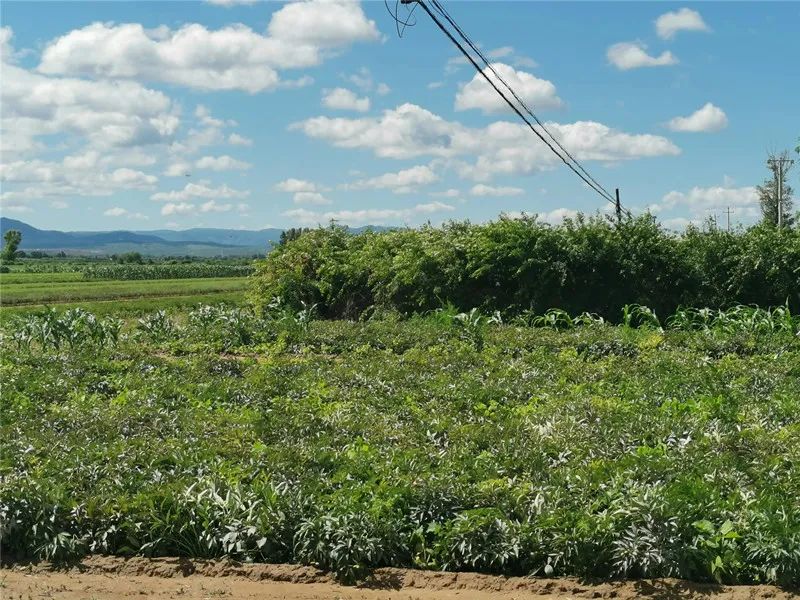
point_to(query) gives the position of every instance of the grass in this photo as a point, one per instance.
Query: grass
(130, 307)
(33, 278)
(44, 291)
(434, 442)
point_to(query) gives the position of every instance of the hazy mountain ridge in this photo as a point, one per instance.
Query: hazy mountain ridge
(160, 242)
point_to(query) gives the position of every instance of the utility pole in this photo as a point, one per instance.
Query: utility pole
(776, 164)
(728, 213)
(618, 208)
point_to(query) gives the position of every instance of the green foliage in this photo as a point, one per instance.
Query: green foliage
(557, 446)
(193, 270)
(12, 239)
(522, 266)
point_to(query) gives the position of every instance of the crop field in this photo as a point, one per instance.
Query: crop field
(127, 294)
(545, 446)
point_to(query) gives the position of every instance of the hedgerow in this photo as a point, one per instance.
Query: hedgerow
(515, 265)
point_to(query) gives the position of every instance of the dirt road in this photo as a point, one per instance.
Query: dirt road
(105, 578)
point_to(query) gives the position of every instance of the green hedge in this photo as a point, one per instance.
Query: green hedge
(513, 265)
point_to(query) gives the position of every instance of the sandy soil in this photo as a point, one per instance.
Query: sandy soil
(106, 578)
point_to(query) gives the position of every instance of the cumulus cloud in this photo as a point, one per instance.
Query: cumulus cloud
(700, 199)
(300, 34)
(105, 113)
(235, 139)
(487, 190)
(84, 174)
(118, 211)
(478, 94)
(363, 80)
(502, 147)
(344, 99)
(685, 19)
(199, 190)
(178, 208)
(402, 182)
(450, 193)
(221, 163)
(633, 55)
(292, 185)
(213, 206)
(369, 216)
(708, 118)
(310, 198)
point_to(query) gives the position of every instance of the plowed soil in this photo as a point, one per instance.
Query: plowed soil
(102, 578)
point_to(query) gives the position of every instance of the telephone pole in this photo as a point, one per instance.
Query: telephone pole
(618, 208)
(776, 164)
(728, 212)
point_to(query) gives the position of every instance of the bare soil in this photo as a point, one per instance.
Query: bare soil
(106, 578)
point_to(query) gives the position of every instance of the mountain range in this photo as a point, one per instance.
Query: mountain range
(160, 242)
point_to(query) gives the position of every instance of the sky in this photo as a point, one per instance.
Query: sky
(248, 114)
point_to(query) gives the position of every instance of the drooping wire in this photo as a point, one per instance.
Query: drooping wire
(583, 174)
(443, 11)
(396, 16)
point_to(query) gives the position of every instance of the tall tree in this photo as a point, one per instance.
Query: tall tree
(12, 239)
(777, 183)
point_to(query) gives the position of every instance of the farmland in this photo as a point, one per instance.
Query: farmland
(546, 446)
(122, 289)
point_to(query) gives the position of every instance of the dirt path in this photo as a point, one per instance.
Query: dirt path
(105, 578)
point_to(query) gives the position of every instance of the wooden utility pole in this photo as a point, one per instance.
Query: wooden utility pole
(618, 207)
(728, 213)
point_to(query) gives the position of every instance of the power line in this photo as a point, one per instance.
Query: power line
(588, 179)
(443, 11)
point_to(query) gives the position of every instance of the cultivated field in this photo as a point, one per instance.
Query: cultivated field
(451, 441)
(122, 289)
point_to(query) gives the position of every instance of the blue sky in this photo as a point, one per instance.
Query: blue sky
(145, 115)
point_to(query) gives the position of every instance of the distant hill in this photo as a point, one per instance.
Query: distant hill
(161, 242)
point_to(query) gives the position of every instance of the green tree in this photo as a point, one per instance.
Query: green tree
(291, 234)
(12, 239)
(768, 193)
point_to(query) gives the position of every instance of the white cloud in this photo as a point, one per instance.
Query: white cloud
(633, 55)
(179, 208)
(239, 140)
(536, 92)
(344, 99)
(221, 163)
(106, 114)
(434, 85)
(699, 199)
(123, 212)
(401, 182)
(199, 190)
(310, 198)
(487, 190)
(178, 169)
(451, 193)
(369, 216)
(685, 19)
(709, 118)
(75, 175)
(212, 206)
(301, 34)
(363, 80)
(502, 147)
(292, 185)
(59, 204)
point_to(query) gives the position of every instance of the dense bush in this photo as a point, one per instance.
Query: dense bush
(513, 265)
